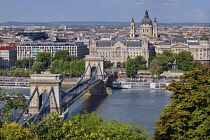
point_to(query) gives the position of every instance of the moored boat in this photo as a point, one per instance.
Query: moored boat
(139, 85)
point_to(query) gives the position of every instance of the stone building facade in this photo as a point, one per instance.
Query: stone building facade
(118, 50)
(200, 50)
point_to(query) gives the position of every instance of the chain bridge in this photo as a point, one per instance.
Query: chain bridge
(47, 96)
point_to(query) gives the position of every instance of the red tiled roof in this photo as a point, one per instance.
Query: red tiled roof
(8, 47)
(105, 32)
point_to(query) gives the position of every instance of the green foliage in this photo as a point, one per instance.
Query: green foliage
(165, 59)
(62, 54)
(87, 126)
(184, 60)
(140, 62)
(13, 131)
(150, 59)
(68, 68)
(24, 63)
(16, 72)
(188, 116)
(107, 64)
(155, 69)
(133, 65)
(44, 58)
(38, 67)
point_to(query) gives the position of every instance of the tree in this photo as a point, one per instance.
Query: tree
(155, 69)
(14, 131)
(45, 58)
(68, 68)
(107, 64)
(38, 67)
(54, 68)
(131, 67)
(140, 62)
(188, 116)
(184, 60)
(30, 62)
(80, 67)
(165, 59)
(150, 59)
(62, 54)
(87, 126)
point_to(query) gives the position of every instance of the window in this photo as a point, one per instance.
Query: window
(118, 52)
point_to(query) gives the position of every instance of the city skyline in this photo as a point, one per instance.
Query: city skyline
(166, 11)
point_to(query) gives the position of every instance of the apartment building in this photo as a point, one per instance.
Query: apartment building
(31, 49)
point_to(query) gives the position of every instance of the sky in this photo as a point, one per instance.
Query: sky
(166, 11)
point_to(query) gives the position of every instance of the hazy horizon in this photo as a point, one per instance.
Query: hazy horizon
(166, 11)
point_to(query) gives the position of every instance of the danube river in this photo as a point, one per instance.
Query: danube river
(142, 107)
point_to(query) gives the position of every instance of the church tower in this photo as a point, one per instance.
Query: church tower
(146, 27)
(132, 29)
(155, 28)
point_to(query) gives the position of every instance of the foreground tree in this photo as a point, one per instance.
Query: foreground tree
(87, 126)
(188, 116)
(14, 131)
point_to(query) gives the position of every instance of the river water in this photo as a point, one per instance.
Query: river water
(141, 107)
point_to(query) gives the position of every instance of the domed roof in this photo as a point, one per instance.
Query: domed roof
(204, 37)
(146, 19)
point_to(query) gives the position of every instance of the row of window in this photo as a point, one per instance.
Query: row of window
(48, 45)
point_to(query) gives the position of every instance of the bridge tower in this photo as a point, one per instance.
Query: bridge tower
(49, 84)
(92, 61)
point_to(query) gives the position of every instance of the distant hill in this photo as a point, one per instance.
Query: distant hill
(89, 24)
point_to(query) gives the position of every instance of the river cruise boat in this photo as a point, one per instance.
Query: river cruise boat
(139, 85)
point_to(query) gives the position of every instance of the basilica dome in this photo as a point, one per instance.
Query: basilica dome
(146, 19)
(204, 37)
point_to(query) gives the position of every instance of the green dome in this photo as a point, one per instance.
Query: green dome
(204, 37)
(146, 19)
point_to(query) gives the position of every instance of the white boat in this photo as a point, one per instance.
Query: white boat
(139, 85)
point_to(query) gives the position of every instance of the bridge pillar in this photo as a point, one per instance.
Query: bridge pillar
(92, 61)
(49, 84)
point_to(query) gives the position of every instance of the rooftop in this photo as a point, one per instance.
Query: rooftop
(8, 47)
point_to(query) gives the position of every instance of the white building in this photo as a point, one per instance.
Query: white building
(31, 49)
(200, 50)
